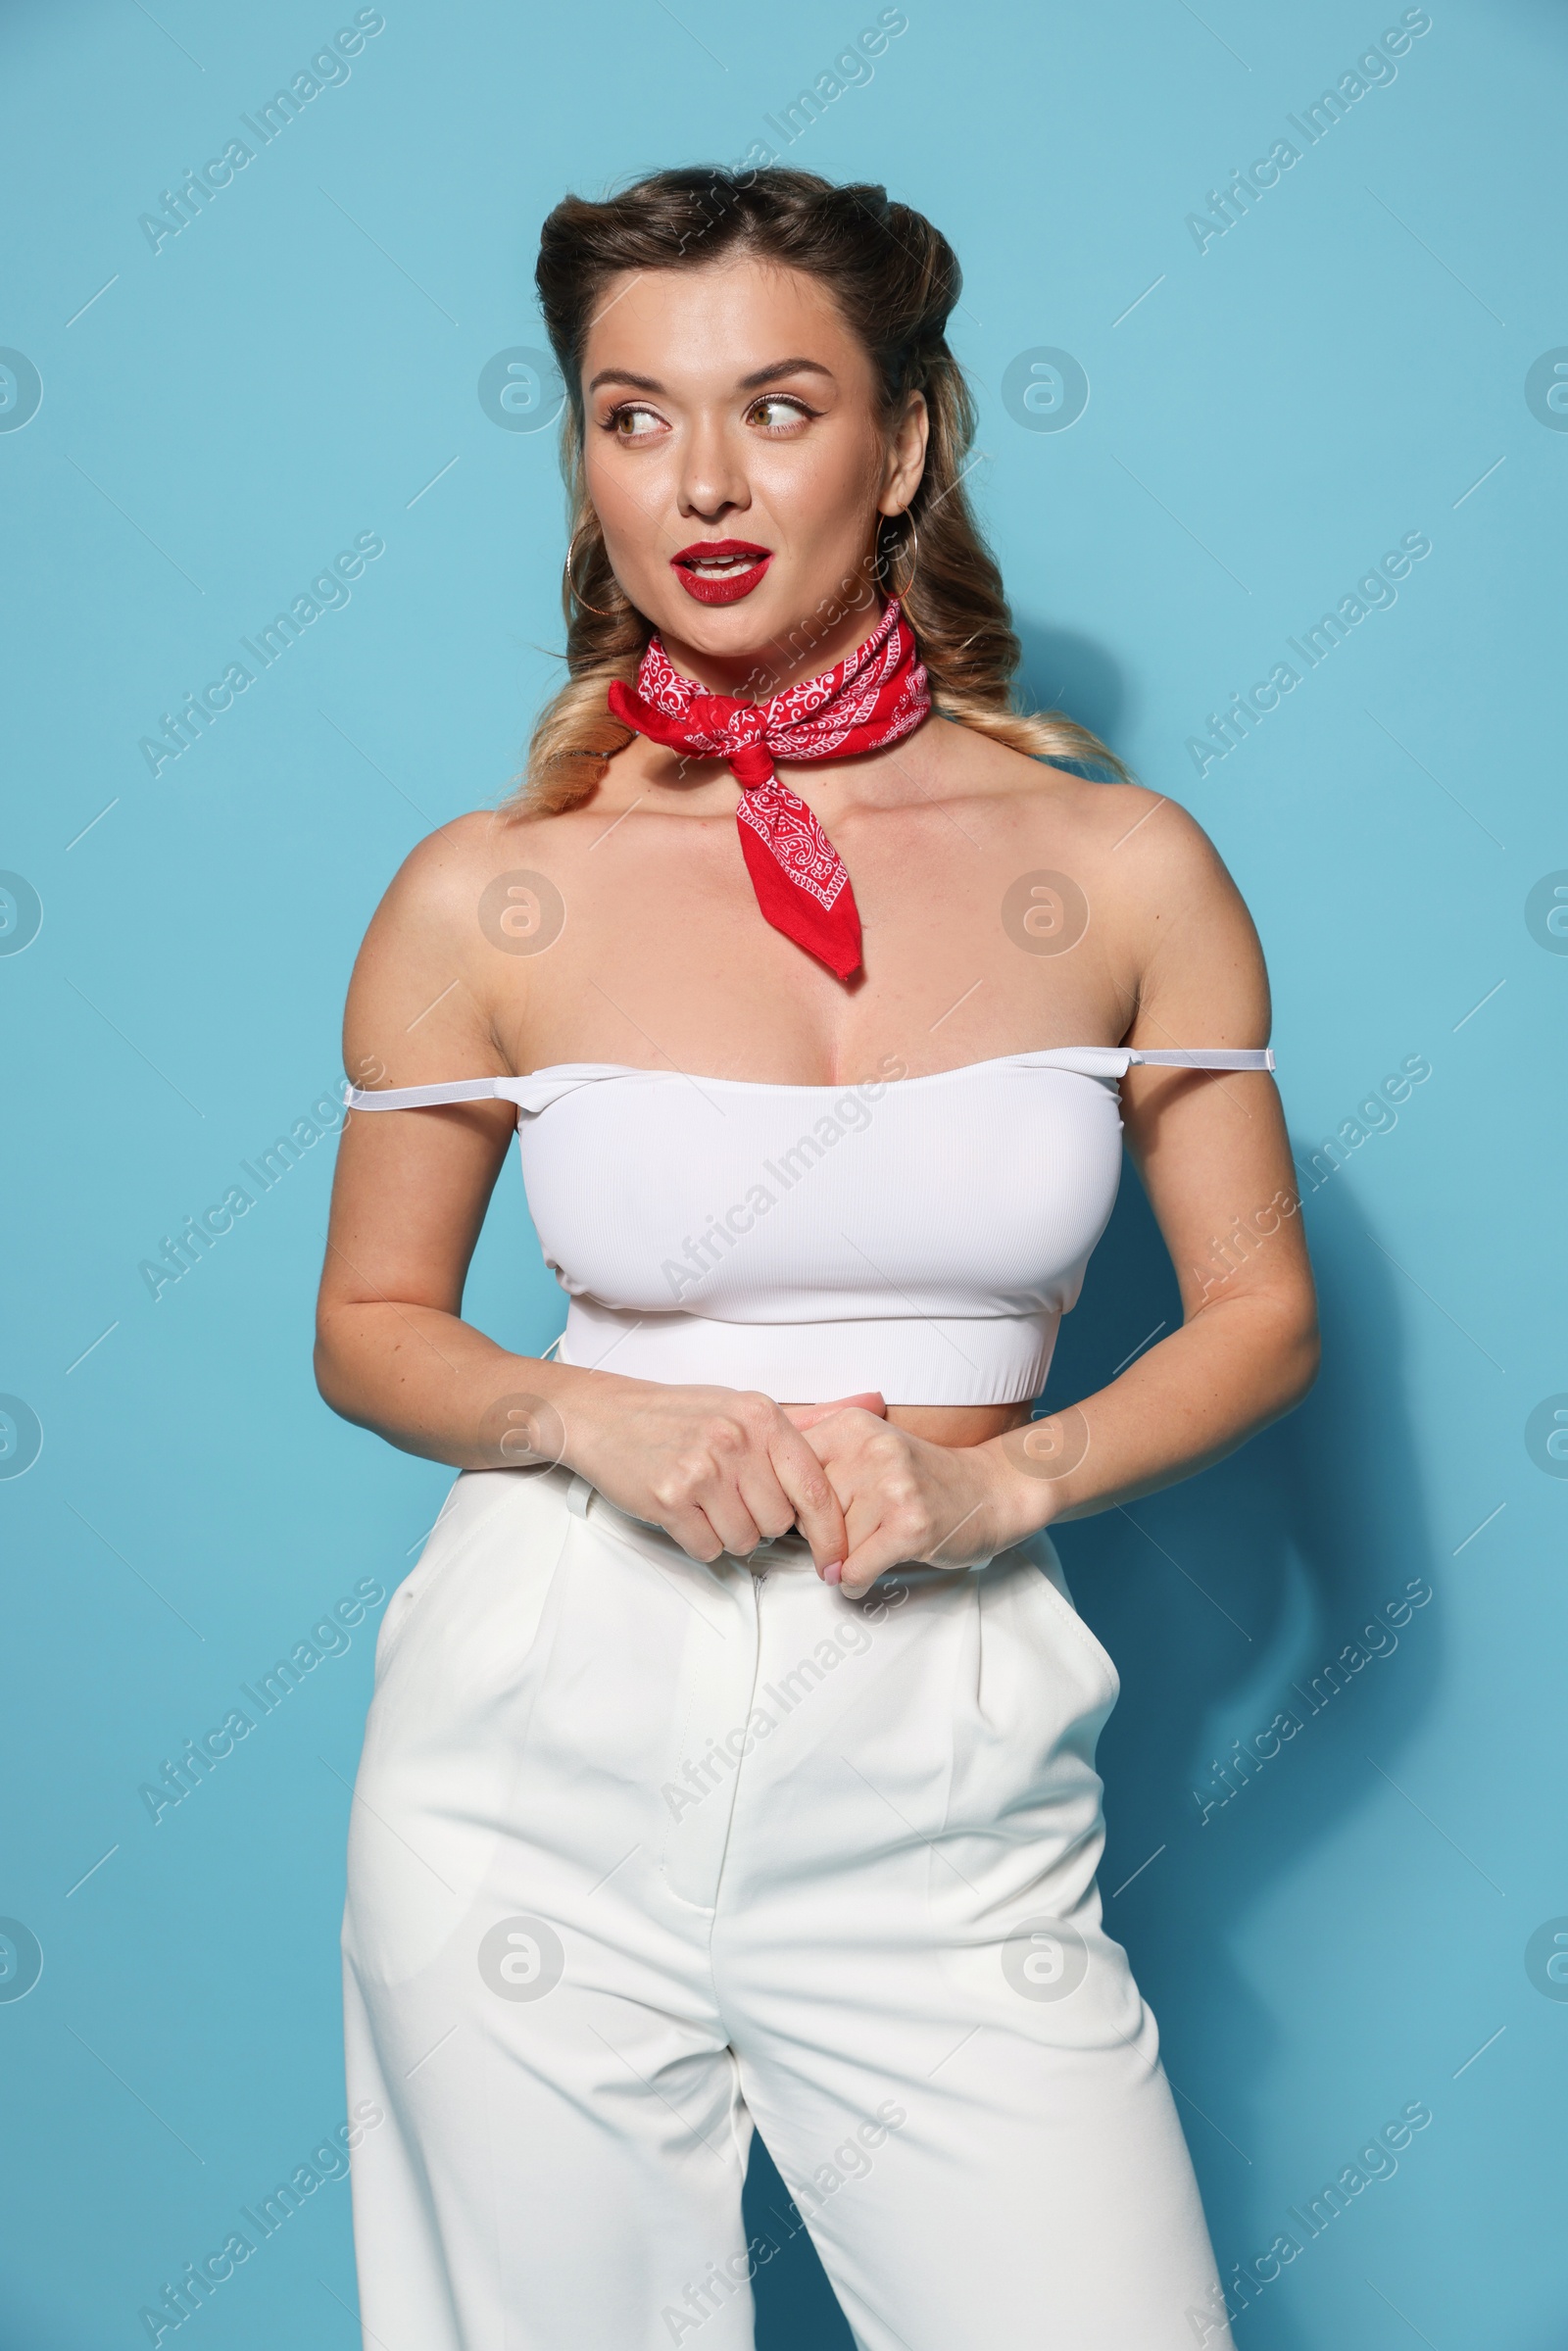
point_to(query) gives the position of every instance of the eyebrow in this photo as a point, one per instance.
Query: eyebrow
(747, 383)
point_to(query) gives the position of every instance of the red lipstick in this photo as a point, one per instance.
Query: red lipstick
(720, 570)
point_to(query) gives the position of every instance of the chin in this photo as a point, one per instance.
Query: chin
(758, 623)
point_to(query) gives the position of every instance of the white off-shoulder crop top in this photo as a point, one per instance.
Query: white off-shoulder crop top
(922, 1236)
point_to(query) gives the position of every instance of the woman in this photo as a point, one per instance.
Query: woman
(731, 1755)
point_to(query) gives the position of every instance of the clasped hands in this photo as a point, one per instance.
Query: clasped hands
(904, 1499)
(724, 1470)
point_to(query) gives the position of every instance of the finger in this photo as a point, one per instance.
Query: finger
(731, 1521)
(765, 1498)
(877, 1548)
(815, 1505)
(876, 1544)
(806, 1416)
(695, 1532)
(865, 1562)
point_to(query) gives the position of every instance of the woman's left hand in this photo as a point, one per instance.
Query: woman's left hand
(905, 1498)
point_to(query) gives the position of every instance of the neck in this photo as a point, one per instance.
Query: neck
(804, 650)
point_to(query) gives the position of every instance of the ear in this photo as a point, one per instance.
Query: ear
(905, 456)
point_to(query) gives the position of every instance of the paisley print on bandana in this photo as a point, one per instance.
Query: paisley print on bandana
(878, 694)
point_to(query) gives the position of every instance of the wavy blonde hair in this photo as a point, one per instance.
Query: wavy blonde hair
(896, 279)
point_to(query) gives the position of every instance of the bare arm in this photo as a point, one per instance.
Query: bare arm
(717, 1468)
(1215, 1161)
(1214, 1157)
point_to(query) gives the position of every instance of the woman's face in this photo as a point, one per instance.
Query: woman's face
(737, 467)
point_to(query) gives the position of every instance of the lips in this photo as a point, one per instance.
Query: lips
(720, 570)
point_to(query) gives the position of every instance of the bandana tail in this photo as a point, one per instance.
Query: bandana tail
(832, 933)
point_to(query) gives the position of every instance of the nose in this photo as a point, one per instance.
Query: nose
(712, 474)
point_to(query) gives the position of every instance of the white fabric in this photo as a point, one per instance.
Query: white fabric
(921, 1235)
(646, 1852)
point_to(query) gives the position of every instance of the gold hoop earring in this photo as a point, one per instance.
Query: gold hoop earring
(911, 544)
(578, 595)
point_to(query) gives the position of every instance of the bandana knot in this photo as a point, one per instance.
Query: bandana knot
(878, 694)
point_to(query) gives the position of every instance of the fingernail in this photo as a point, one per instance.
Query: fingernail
(833, 1572)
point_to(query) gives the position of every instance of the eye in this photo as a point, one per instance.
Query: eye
(778, 412)
(632, 422)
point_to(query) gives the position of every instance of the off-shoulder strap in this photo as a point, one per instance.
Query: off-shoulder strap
(530, 1095)
(1114, 1060)
(536, 1092)
(1206, 1056)
(425, 1097)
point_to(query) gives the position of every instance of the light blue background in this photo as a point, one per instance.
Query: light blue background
(295, 367)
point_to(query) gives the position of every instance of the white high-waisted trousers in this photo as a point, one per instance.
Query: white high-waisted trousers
(646, 1852)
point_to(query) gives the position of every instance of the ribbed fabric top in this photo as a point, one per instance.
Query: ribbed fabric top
(918, 1236)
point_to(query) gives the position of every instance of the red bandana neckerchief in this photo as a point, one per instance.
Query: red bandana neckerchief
(876, 696)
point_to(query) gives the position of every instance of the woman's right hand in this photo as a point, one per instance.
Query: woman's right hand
(721, 1469)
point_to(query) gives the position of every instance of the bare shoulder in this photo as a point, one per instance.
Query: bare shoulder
(423, 979)
(1184, 925)
(1133, 843)
(1150, 847)
(436, 888)
(1167, 913)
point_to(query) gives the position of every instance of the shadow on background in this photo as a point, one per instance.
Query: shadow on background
(1062, 671)
(1215, 1597)
(795, 2303)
